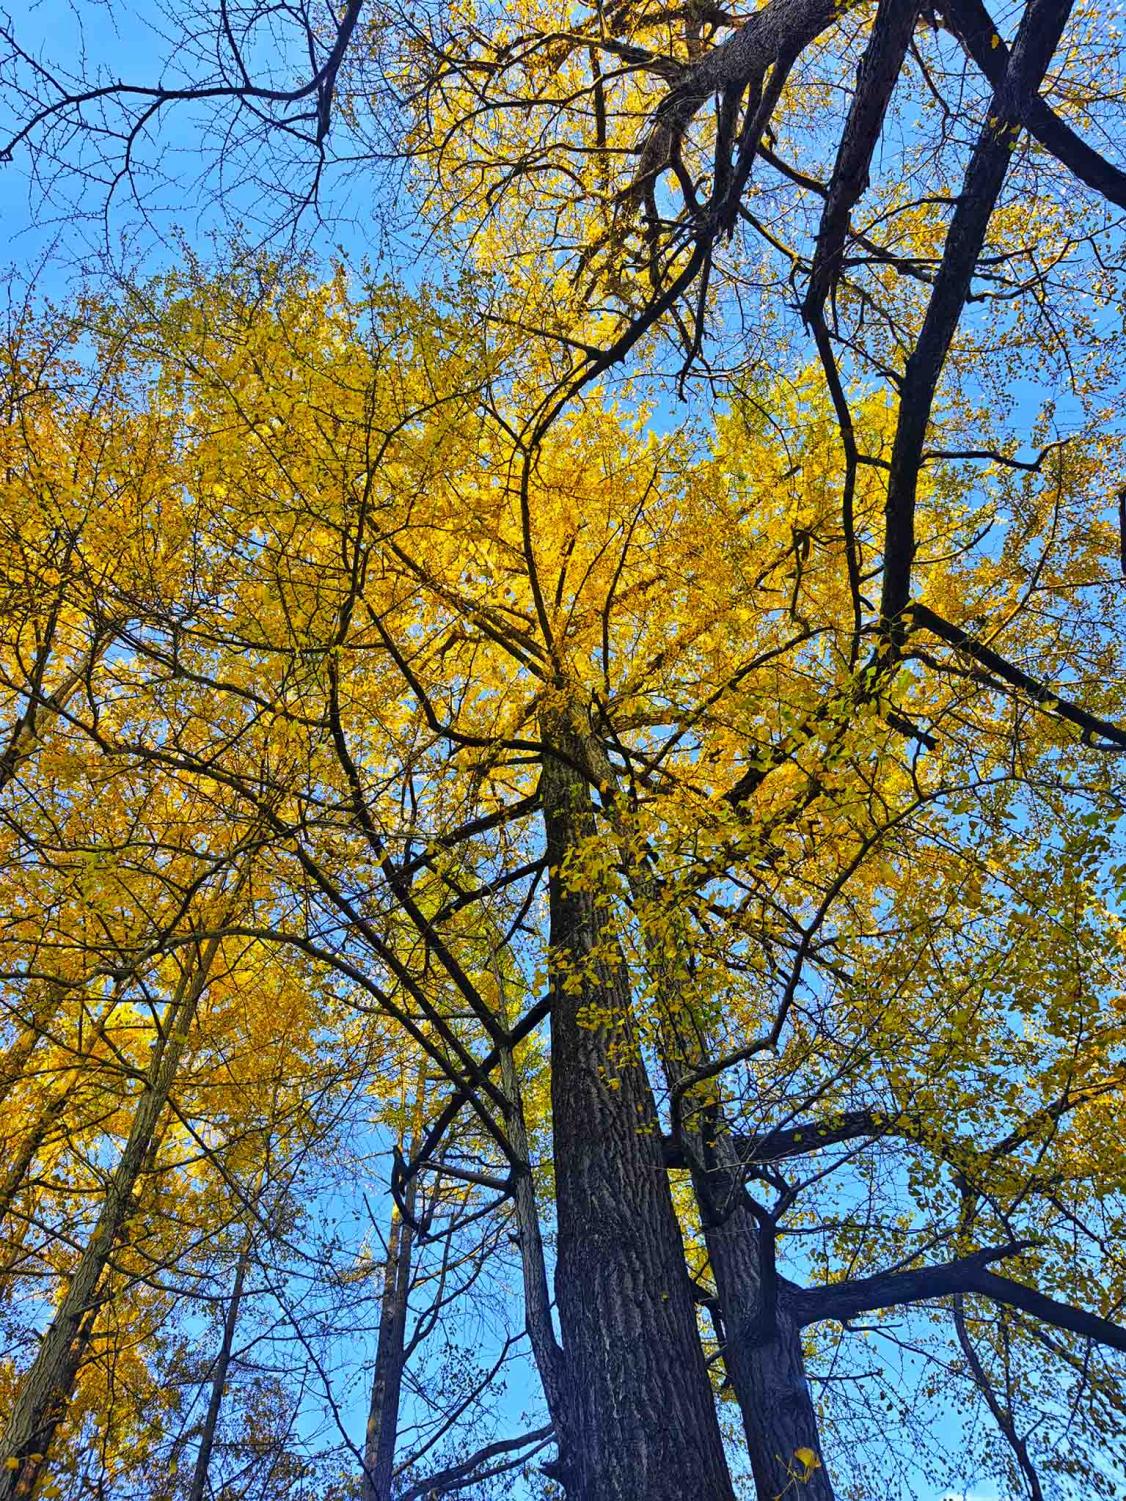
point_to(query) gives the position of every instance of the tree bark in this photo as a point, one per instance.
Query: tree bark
(762, 1350)
(390, 1359)
(762, 1339)
(786, 1422)
(45, 1391)
(640, 1415)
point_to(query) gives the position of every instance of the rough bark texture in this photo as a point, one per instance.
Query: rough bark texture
(762, 1338)
(760, 1344)
(634, 1383)
(762, 1349)
(784, 1418)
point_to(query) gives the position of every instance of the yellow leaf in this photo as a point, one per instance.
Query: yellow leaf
(808, 1459)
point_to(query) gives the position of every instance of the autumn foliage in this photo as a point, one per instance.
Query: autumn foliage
(562, 826)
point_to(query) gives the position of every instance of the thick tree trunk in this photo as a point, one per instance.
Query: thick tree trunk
(219, 1379)
(783, 1432)
(45, 1391)
(762, 1345)
(762, 1351)
(641, 1422)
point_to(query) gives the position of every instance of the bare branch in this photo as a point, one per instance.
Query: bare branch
(969, 1274)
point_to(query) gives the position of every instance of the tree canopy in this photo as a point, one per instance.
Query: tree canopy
(560, 809)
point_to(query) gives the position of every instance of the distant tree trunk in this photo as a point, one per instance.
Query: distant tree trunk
(25, 1150)
(219, 1378)
(390, 1358)
(537, 1303)
(20, 1156)
(391, 1350)
(46, 1388)
(641, 1422)
(16, 1056)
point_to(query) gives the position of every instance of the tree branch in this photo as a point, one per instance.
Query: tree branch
(974, 28)
(456, 1477)
(1039, 33)
(1036, 688)
(969, 1274)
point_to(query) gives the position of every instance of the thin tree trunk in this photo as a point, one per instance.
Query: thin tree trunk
(641, 1422)
(45, 1391)
(537, 1302)
(1002, 1414)
(25, 1152)
(33, 1138)
(18, 1053)
(391, 1350)
(390, 1359)
(219, 1378)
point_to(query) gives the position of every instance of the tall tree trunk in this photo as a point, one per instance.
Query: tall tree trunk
(762, 1351)
(45, 1391)
(641, 1422)
(219, 1378)
(390, 1358)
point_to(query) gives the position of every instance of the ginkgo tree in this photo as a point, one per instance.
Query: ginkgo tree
(500, 738)
(768, 761)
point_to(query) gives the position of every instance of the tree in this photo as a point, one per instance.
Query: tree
(841, 866)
